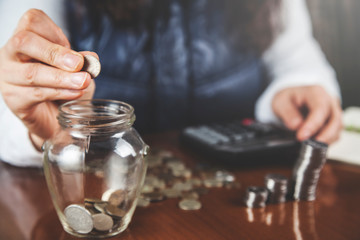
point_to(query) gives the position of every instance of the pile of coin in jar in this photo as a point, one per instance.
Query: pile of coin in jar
(97, 215)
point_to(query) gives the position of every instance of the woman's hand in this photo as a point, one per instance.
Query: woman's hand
(322, 119)
(37, 70)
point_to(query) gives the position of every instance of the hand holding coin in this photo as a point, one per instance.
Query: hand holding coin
(39, 70)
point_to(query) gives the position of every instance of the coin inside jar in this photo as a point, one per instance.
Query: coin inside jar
(115, 211)
(102, 222)
(117, 197)
(78, 218)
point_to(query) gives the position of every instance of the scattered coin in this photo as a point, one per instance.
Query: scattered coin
(190, 195)
(154, 196)
(168, 177)
(92, 66)
(147, 188)
(224, 176)
(79, 218)
(201, 190)
(189, 204)
(102, 222)
(171, 193)
(143, 202)
(210, 183)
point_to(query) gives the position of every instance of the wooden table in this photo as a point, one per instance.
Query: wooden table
(27, 213)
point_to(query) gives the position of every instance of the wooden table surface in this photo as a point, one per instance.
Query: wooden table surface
(26, 210)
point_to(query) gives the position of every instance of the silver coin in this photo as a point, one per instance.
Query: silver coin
(92, 66)
(190, 195)
(171, 193)
(102, 222)
(190, 204)
(115, 211)
(79, 218)
(117, 197)
(100, 206)
(147, 188)
(154, 196)
(142, 202)
(210, 183)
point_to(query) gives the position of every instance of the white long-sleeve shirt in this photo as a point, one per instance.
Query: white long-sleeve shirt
(293, 59)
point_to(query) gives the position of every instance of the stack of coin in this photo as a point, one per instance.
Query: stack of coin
(256, 197)
(98, 216)
(277, 186)
(307, 170)
(168, 177)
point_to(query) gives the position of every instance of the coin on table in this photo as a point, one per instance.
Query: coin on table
(201, 190)
(102, 222)
(190, 204)
(79, 218)
(171, 193)
(154, 196)
(146, 188)
(190, 195)
(209, 183)
(114, 211)
(92, 66)
(142, 202)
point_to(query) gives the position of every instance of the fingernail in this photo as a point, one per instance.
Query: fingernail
(71, 61)
(78, 79)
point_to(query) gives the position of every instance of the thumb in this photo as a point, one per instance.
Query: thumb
(287, 111)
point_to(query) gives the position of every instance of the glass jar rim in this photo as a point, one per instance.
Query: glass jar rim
(95, 114)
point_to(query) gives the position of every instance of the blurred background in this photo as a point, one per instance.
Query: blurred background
(337, 28)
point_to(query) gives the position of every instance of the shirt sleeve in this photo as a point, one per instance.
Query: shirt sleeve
(15, 146)
(294, 59)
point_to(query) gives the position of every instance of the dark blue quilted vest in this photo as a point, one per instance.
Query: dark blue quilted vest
(189, 74)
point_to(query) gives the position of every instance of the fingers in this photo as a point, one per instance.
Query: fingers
(38, 22)
(32, 45)
(40, 75)
(287, 111)
(21, 99)
(331, 132)
(319, 112)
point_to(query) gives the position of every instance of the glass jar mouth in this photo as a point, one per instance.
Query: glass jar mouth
(95, 114)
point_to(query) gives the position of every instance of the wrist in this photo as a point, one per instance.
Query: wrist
(36, 141)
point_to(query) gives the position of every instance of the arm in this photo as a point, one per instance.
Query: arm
(301, 77)
(15, 145)
(38, 69)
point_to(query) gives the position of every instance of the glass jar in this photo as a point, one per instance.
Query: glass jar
(94, 167)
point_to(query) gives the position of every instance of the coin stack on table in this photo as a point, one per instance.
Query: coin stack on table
(306, 172)
(277, 186)
(168, 177)
(256, 197)
(305, 176)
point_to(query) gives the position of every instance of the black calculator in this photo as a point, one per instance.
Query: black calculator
(240, 140)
